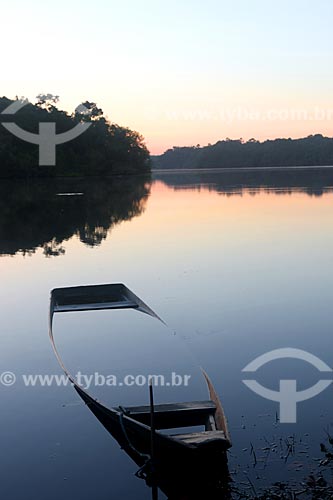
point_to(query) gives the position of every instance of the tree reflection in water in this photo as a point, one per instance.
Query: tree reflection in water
(46, 213)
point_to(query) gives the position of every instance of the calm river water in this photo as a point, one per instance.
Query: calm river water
(236, 263)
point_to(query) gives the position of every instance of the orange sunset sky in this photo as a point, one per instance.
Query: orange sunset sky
(179, 72)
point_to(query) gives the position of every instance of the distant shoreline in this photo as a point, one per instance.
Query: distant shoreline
(312, 151)
(235, 169)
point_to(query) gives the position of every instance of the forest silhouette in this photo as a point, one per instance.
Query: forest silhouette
(104, 149)
(315, 150)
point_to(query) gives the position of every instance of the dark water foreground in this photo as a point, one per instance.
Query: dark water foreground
(236, 265)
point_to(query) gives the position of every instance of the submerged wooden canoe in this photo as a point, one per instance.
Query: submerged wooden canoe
(131, 426)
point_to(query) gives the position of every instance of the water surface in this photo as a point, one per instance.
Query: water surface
(237, 264)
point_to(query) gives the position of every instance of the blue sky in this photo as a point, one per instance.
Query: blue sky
(142, 60)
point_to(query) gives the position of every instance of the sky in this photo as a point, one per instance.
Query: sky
(182, 72)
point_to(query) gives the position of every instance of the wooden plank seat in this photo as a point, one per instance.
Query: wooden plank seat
(173, 415)
(203, 439)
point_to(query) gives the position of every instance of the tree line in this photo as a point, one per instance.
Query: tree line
(104, 149)
(315, 150)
